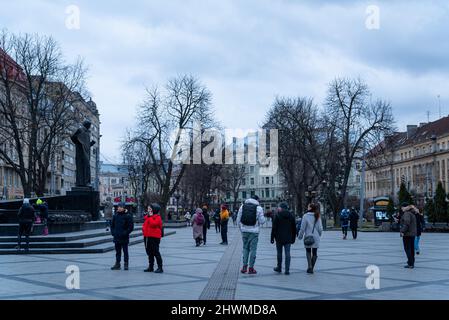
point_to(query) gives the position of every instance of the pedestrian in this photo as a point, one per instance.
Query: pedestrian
(420, 226)
(153, 231)
(408, 232)
(224, 219)
(284, 233)
(353, 222)
(42, 206)
(108, 212)
(311, 230)
(217, 220)
(249, 219)
(344, 220)
(197, 224)
(26, 217)
(234, 218)
(121, 227)
(187, 216)
(206, 224)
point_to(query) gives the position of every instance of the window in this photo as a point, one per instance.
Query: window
(243, 182)
(252, 181)
(267, 179)
(253, 193)
(243, 194)
(251, 169)
(267, 192)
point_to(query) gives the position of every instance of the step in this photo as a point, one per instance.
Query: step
(92, 241)
(99, 248)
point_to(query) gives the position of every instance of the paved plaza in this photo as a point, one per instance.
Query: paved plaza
(211, 272)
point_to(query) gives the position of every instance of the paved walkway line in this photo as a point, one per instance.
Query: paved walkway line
(223, 282)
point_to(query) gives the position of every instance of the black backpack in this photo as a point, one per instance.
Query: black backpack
(249, 214)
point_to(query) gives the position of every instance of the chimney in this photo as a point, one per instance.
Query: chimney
(411, 130)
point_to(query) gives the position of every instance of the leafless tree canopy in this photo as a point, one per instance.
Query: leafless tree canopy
(37, 88)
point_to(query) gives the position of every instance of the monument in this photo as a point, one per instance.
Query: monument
(83, 196)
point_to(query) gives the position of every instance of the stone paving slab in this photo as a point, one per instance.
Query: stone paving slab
(198, 273)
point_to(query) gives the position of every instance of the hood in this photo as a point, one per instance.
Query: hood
(252, 201)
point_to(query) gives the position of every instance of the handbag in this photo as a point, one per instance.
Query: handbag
(310, 240)
(45, 233)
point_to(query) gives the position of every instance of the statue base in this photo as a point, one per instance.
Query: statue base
(86, 199)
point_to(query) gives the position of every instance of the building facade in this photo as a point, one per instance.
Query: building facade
(418, 158)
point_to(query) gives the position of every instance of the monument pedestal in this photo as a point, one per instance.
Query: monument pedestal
(86, 199)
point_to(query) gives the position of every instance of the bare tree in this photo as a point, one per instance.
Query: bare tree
(37, 89)
(161, 120)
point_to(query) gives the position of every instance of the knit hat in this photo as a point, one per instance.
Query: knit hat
(255, 197)
(121, 204)
(26, 201)
(284, 206)
(39, 202)
(156, 208)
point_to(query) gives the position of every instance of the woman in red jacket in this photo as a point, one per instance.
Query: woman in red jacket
(153, 232)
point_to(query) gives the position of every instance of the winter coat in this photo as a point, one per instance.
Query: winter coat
(353, 219)
(26, 214)
(206, 224)
(121, 227)
(307, 222)
(152, 226)
(197, 228)
(224, 215)
(260, 218)
(420, 224)
(43, 210)
(408, 222)
(217, 216)
(108, 210)
(344, 218)
(284, 228)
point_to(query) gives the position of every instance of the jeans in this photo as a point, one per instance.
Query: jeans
(249, 248)
(409, 248)
(118, 252)
(152, 249)
(354, 232)
(287, 255)
(417, 238)
(217, 226)
(224, 231)
(24, 229)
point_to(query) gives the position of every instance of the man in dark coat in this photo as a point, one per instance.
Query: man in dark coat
(217, 221)
(408, 232)
(206, 224)
(353, 222)
(26, 216)
(121, 227)
(284, 233)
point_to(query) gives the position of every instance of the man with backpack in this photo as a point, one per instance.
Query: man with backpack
(250, 217)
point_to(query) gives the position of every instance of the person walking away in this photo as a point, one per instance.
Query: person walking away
(121, 227)
(187, 216)
(108, 212)
(197, 226)
(420, 226)
(249, 219)
(234, 218)
(344, 220)
(224, 219)
(217, 220)
(42, 206)
(311, 231)
(408, 232)
(153, 231)
(283, 232)
(26, 217)
(206, 224)
(353, 222)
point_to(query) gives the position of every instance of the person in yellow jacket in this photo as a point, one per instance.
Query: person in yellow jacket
(224, 218)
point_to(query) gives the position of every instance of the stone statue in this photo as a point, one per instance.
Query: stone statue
(81, 139)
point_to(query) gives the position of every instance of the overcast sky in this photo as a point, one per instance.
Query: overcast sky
(248, 51)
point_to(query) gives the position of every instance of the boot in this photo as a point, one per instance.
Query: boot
(314, 258)
(244, 269)
(126, 266)
(159, 270)
(116, 266)
(277, 269)
(149, 269)
(309, 262)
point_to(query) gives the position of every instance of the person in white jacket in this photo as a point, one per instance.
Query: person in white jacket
(312, 227)
(249, 219)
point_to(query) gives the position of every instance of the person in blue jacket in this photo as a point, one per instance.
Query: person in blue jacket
(344, 220)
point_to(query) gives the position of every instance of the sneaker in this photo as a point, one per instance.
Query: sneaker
(244, 269)
(252, 271)
(277, 269)
(126, 267)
